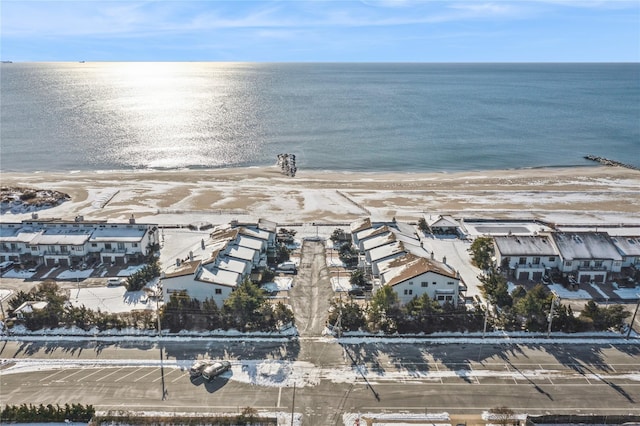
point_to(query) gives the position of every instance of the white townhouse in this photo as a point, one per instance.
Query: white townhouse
(71, 243)
(367, 234)
(235, 253)
(629, 249)
(589, 256)
(412, 276)
(526, 257)
(358, 226)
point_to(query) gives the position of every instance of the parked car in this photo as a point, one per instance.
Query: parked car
(356, 291)
(287, 267)
(114, 282)
(215, 369)
(198, 367)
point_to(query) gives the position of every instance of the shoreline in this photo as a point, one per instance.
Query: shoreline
(595, 193)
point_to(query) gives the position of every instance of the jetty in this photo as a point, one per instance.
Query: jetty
(608, 162)
(287, 164)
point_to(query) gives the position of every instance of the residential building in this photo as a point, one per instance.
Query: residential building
(588, 256)
(526, 257)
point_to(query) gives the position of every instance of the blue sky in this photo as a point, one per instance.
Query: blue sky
(322, 31)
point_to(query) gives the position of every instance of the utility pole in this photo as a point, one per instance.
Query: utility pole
(553, 303)
(486, 316)
(293, 402)
(633, 318)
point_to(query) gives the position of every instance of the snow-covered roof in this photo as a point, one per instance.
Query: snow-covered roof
(525, 245)
(62, 236)
(219, 276)
(244, 253)
(372, 232)
(386, 251)
(30, 306)
(234, 265)
(12, 235)
(442, 222)
(360, 224)
(403, 228)
(185, 268)
(585, 245)
(407, 267)
(267, 225)
(627, 246)
(132, 235)
(260, 234)
(244, 241)
(223, 233)
(378, 241)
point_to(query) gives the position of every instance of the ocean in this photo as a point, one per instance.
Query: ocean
(410, 117)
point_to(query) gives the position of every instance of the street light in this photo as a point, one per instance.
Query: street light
(633, 318)
(553, 302)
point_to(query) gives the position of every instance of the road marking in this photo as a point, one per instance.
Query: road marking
(149, 373)
(127, 375)
(511, 372)
(107, 375)
(176, 379)
(279, 395)
(161, 375)
(52, 374)
(91, 374)
(474, 376)
(72, 374)
(438, 370)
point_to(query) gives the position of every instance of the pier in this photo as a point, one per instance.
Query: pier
(612, 163)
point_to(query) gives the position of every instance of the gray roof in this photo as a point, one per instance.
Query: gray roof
(627, 246)
(525, 245)
(585, 245)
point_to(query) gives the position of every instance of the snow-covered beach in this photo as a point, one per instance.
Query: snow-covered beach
(584, 195)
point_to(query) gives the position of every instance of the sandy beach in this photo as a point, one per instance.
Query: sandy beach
(579, 194)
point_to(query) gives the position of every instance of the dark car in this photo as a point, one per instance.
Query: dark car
(215, 369)
(356, 291)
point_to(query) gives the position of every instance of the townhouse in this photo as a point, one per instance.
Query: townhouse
(526, 257)
(587, 256)
(55, 242)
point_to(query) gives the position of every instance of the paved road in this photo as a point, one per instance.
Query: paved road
(413, 377)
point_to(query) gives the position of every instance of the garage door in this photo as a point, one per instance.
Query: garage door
(64, 262)
(119, 260)
(598, 278)
(523, 276)
(585, 278)
(537, 276)
(51, 262)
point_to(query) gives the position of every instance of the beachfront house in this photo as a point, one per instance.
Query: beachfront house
(76, 243)
(526, 258)
(443, 225)
(629, 249)
(587, 256)
(412, 276)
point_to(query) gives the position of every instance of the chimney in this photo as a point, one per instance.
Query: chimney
(191, 256)
(79, 218)
(132, 219)
(444, 259)
(433, 255)
(178, 262)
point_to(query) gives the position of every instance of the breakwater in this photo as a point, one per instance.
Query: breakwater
(607, 162)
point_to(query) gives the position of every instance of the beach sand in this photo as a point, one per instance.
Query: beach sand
(588, 194)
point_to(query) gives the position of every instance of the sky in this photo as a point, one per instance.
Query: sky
(321, 31)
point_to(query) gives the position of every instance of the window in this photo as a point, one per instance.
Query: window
(218, 291)
(552, 259)
(440, 297)
(536, 260)
(567, 263)
(424, 284)
(107, 246)
(34, 248)
(435, 283)
(408, 292)
(134, 245)
(522, 261)
(410, 282)
(449, 298)
(450, 283)
(585, 263)
(120, 246)
(598, 263)
(94, 245)
(64, 249)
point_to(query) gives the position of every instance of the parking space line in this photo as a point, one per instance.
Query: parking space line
(474, 376)
(107, 375)
(165, 375)
(52, 374)
(177, 378)
(279, 395)
(438, 370)
(127, 375)
(153, 370)
(91, 374)
(510, 372)
(80, 370)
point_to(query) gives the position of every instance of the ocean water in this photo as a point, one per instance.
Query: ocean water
(345, 117)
